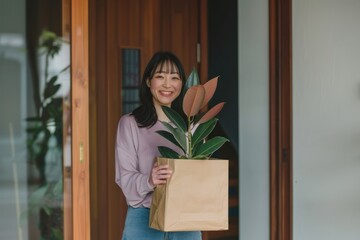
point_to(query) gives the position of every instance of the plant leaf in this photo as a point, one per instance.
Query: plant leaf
(51, 89)
(58, 188)
(210, 87)
(210, 146)
(57, 233)
(34, 130)
(212, 112)
(203, 130)
(37, 195)
(64, 69)
(192, 80)
(167, 152)
(194, 149)
(175, 118)
(52, 80)
(193, 100)
(178, 134)
(33, 119)
(169, 137)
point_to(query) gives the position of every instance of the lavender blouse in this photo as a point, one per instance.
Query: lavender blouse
(135, 153)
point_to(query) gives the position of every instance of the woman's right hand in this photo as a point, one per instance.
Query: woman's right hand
(159, 174)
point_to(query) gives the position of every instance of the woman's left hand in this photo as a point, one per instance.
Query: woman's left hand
(159, 174)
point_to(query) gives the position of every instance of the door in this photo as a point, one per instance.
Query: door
(34, 121)
(38, 143)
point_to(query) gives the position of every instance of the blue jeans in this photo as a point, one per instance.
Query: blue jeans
(137, 228)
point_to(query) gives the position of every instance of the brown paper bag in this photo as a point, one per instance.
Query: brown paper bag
(195, 198)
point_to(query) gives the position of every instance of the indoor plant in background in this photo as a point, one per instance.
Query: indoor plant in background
(196, 196)
(45, 131)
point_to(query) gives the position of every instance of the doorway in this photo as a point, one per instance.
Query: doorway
(125, 29)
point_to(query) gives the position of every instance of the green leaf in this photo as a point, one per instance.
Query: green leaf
(47, 210)
(33, 119)
(192, 80)
(175, 118)
(195, 147)
(53, 109)
(58, 188)
(170, 137)
(178, 134)
(203, 130)
(51, 90)
(34, 129)
(57, 233)
(168, 153)
(64, 69)
(209, 147)
(37, 196)
(52, 80)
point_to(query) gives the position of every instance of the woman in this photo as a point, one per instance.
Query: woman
(137, 143)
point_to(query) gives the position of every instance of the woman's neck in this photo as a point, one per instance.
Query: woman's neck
(160, 114)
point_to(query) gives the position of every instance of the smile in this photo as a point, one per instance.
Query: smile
(165, 93)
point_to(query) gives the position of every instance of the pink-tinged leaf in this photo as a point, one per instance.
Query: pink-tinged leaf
(193, 100)
(212, 112)
(210, 87)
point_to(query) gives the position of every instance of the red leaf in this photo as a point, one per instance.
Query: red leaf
(210, 87)
(193, 100)
(212, 112)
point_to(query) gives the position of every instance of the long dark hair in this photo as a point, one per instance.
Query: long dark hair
(145, 114)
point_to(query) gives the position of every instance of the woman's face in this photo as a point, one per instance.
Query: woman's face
(165, 86)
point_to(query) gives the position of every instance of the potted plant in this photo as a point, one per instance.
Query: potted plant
(45, 131)
(190, 135)
(196, 196)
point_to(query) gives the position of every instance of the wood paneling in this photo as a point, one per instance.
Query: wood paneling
(149, 25)
(80, 119)
(169, 25)
(106, 199)
(65, 19)
(280, 120)
(116, 204)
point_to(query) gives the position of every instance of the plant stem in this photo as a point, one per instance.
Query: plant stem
(189, 136)
(47, 65)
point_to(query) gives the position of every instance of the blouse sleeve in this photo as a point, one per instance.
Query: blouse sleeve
(134, 184)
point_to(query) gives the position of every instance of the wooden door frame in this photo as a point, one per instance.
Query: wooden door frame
(80, 120)
(280, 86)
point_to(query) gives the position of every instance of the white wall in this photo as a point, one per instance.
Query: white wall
(254, 119)
(326, 115)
